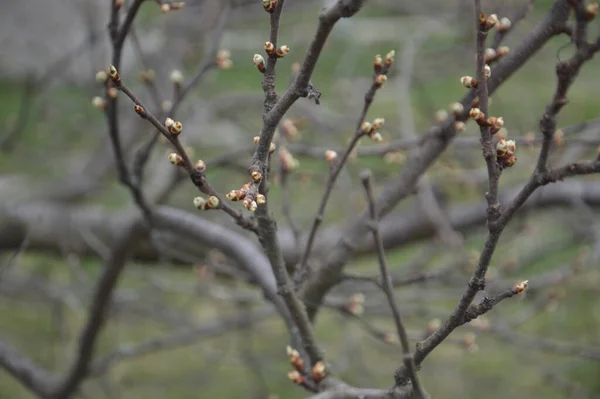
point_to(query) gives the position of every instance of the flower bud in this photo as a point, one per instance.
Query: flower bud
(389, 57)
(591, 11)
(213, 202)
(175, 128)
(200, 166)
(330, 156)
(318, 371)
(501, 149)
(441, 115)
(269, 48)
(99, 102)
(491, 21)
(366, 127)
(199, 202)
(269, 5)
(502, 51)
(460, 126)
(261, 199)
(376, 137)
(259, 62)
(139, 110)
(114, 74)
(521, 286)
(468, 82)
(380, 80)
(377, 63)
(165, 8)
(282, 51)
(294, 375)
(487, 71)
(503, 25)
(456, 108)
(489, 54)
(559, 138)
(101, 76)
(112, 92)
(176, 77)
(175, 159)
(169, 122)
(272, 148)
(377, 123)
(510, 161)
(256, 176)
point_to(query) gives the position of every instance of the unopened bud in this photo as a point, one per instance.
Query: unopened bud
(502, 51)
(101, 76)
(261, 199)
(213, 202)
(510, 161)
(366, 127)
(199, 202)
(380, 80)
(165, 8)
(114, 74)
(295, 376)
(377, 63)
(468, 82)
(489, 54)
(378, 123)
(272, 148)
(591, 11)
(175, 159)
(503, 25)
(318, 371)
(169, 122)
(330, 156)
(256, 176)
(521, 286)
(200, 166)
(441, 115)
(487, 71)
(282, 51)
(259, 62)
(559, 138)
(112, 92)
(99, 102)
(269, 48)
(176, 128)
(376, 137)
(139, 109)
(491, 21)
(460, 126)
(389, 57)
(456, 108)
(176, 77)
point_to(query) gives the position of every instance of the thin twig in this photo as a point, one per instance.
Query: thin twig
(388, 289)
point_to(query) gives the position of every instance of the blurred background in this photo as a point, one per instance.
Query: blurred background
(185, 321)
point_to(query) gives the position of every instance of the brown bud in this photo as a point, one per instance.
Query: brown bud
(261, 199)
(200, 166)
(377, 63)
(256, 176)
(318, 371)
(175, 159)
(114, 74)
(139, 110)
(295, 376)
(99, 102)
(175, 128)
(380, 80)
(330, 156)
(591, 11)
(521, 286)
(269, 48)
(259, 62)
(282, 51)
(112, 92)
(468, 82)
(165, 8)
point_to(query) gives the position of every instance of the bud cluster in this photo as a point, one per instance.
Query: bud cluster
(371, 129)
(202, 204)
(505, 150)
(174, 127)
(355, 304)
(318, 371)
(381, 66)
(224, 59)
(288, 162)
